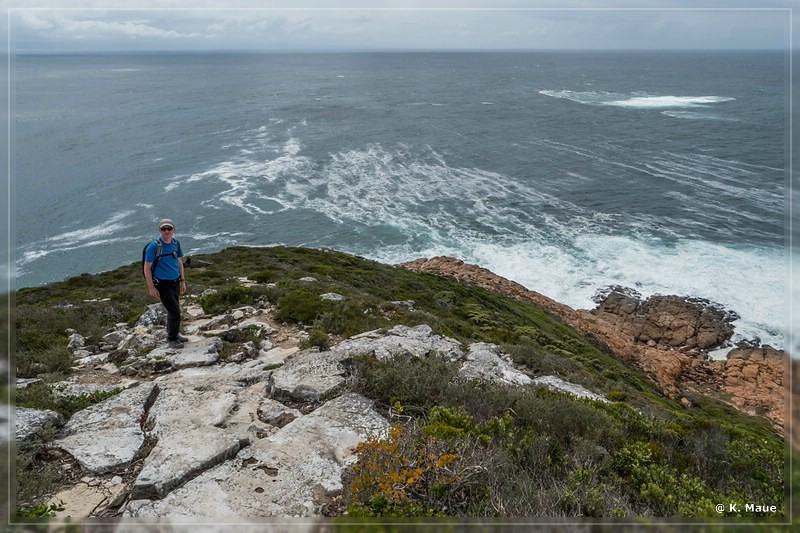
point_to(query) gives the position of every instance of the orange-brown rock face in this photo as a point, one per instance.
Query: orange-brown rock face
(669, 345)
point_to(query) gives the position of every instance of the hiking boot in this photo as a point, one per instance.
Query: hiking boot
(182, 338)
(176, 344)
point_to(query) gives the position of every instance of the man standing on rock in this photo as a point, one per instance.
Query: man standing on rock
(164, 276)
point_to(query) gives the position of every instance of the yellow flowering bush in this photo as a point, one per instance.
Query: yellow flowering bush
(412, 473)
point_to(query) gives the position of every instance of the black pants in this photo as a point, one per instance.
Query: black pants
(169, 291)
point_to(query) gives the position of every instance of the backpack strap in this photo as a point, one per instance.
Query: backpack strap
(158, 255)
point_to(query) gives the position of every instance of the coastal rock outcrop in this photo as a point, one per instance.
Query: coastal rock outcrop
(673, 321)
(753, 376)
(667, 337)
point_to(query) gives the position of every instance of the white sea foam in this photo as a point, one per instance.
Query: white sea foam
(572, 275)
(510, 227)
(476, 220)
(636, 101)
(200, 236)
(694, 115)
(92, 232)
(246, 175)
(668, 101)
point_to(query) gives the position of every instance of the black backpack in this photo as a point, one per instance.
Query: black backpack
(158, 253)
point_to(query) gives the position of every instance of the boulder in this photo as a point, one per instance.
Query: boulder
(76, 342)
(31, 422)
(671, 321)
(154, 314)
(115, 337)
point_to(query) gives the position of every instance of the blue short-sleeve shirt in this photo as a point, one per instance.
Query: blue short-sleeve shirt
(167, 268)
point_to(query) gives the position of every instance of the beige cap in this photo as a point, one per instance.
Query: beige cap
(165, 222)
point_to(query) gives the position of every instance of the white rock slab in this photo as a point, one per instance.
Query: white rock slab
(198, 351)
(559, 384)
(277, 355)
(402, 341)
(308, 376)
(290, 473)
(30, 421)
(107, 435)
(483, 362)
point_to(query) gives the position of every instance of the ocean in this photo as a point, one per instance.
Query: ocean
(567, 172)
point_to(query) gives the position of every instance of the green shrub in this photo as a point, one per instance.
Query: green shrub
(32, 363)
(301, 306)
(41, 396)
(266, 276)
(417, 383)
(616, 395)
(317, 338)
(35, 512)
(227, 298)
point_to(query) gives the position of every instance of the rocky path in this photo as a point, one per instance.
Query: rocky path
(262, 431)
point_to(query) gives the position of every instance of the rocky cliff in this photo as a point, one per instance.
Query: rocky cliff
(667, 336)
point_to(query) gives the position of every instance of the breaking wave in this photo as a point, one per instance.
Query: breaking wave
(636, 100)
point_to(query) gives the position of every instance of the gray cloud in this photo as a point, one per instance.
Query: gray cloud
(408, 24)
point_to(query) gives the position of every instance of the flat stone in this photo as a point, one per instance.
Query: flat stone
(93, 361)
(199, 351)
(107, 435)
(277, 355)
(308, 376)
(180, 456)
(290, 473)
(80, 501)
(67, 389)
(23, 383)
(194, 311)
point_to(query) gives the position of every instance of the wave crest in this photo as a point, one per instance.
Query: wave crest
(636, 100)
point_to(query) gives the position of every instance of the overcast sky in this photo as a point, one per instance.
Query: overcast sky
(111, 25)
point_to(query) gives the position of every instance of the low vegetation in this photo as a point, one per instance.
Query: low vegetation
(458, 447)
